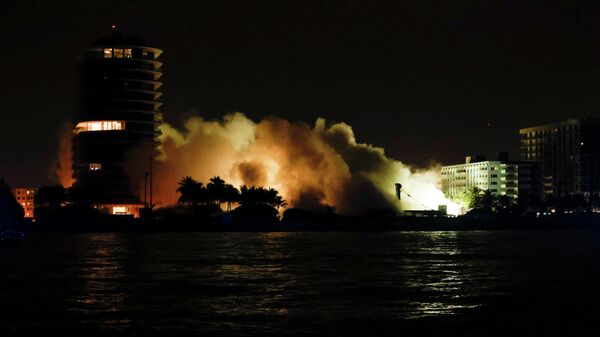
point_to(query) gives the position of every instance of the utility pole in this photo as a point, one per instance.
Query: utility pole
(151, 203)
(145, 189)
(399, 191)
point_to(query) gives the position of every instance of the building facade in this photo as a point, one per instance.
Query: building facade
(24, 196)
(569, 156)
(516, 179)
(116, 121)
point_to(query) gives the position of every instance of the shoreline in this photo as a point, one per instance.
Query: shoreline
(326, 223)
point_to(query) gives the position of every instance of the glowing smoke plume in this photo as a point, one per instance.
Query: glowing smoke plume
(61, 171)
(310, 166)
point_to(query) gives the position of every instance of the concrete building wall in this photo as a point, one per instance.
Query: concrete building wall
(568, 153)
(514, 179)
(117, 118)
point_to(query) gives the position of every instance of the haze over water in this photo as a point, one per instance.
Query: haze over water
(288, 284)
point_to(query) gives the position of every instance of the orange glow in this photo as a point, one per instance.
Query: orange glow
(62, 171)
(99, 126)
(310, 166)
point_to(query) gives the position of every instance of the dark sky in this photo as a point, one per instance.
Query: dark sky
(427, 80)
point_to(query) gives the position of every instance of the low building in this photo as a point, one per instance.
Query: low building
(516, 179)
(24, 196)
(132, 210)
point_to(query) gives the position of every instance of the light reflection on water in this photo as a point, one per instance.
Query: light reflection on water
(260, 265)
(102, 277)
(441, 275)
(262, 273)
(294, 283)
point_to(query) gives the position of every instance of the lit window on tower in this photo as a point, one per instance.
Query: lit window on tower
(120, 210)
(118, 53)
(95, 166)
(127, 53)
(99, 126)
(108, 53)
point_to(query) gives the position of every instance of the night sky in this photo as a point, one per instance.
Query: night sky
(426, 80)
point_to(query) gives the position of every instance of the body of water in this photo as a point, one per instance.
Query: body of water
(293, 284)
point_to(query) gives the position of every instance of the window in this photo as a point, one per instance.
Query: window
(118, 53)
(148, 55)
(108, 53)
(95, 166)
(120, 210)
(128, 53)
(99, 126)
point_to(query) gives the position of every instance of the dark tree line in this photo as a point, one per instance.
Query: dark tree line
(11, 213)
(194, 194)
(53, 197)
(217, 192)
(487, 201)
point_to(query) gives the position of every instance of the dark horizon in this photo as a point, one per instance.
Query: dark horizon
(428, 82)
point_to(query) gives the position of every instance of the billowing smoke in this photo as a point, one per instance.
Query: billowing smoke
(310, 166)
(61, 171)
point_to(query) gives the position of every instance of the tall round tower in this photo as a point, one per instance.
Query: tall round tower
(116, 122)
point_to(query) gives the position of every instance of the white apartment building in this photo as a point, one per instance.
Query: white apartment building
(502, 178)
(520, 179)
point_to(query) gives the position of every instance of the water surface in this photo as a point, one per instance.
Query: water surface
(289, 284)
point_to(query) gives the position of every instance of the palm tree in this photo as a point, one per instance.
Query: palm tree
(261, 196)
(505, 203)
(471, 197)
(485, 200)
(246, 195)
(190, 191)
(216, 190)
(231, 195)
(274, 199)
